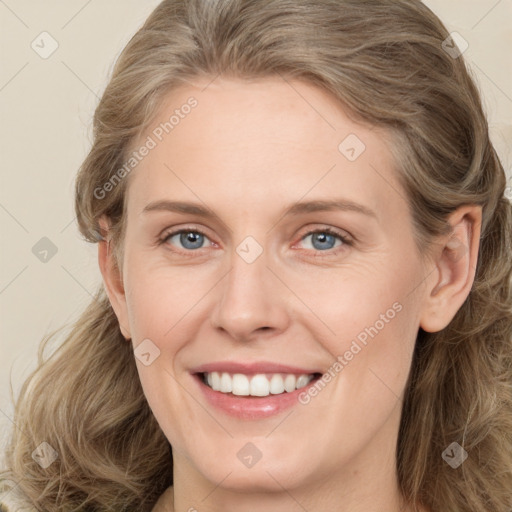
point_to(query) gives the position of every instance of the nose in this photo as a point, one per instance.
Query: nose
(252, 300)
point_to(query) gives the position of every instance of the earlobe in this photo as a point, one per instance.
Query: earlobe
(455, 268)
(112, 278)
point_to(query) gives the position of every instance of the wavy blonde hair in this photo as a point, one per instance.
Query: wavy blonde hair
(384, 61)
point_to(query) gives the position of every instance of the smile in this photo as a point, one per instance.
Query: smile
(258, 385)
(252, 390)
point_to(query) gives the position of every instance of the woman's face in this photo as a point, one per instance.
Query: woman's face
(297, 258)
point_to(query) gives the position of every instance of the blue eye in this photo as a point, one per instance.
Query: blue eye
(324, 240)
(189, 239)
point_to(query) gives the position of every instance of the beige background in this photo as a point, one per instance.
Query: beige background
(46, 108)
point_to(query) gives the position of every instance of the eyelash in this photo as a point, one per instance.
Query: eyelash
(330, 252)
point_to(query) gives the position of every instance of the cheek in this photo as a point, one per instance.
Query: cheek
(373, 319)
(374, 350)
(160, 297)
(359, 303)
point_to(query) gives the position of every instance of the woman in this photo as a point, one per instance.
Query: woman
(305, 249)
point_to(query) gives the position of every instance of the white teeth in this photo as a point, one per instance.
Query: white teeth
(257, 385)
(302, 381)
(289, 383)
(226, 385)
(240, 384)
(215, 381)
(276, 384)
(260, 386)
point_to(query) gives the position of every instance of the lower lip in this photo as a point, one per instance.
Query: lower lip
(249, 407)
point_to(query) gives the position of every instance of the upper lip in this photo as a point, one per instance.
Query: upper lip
(251, 367)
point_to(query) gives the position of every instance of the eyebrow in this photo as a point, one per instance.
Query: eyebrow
(294, 209)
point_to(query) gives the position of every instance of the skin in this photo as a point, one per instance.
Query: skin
(247, 151)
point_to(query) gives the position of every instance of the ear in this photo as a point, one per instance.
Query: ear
(455, 266)
(112, 277)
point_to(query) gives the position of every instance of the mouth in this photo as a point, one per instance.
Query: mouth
(257, 385)
(252, 391)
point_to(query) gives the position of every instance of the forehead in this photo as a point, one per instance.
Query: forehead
(258, 142)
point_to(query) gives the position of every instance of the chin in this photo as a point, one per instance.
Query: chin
(261, 479)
